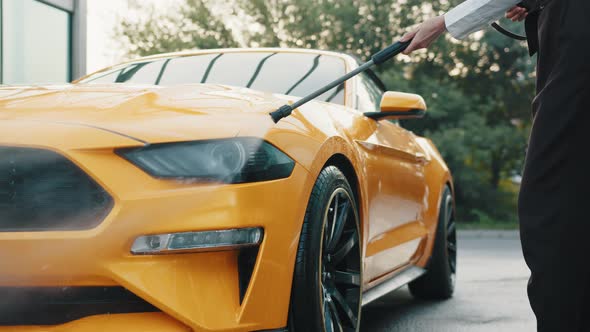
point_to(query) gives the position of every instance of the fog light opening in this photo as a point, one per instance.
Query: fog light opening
(220, 240)
(246, 264)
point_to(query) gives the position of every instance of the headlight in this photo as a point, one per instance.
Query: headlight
(235, 160)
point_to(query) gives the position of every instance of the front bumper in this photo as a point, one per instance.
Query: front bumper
(193, 291)
(153, 322)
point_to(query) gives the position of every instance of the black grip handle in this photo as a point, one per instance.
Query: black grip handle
(390, 52)
(282, 112)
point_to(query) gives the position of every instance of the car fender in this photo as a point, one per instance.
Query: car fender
(438, 176)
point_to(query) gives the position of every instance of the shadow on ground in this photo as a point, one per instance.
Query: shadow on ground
(392, 312)
(490, 295)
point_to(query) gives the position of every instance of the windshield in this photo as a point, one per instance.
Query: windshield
(296, 74)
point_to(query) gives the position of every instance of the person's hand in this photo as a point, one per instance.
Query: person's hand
(425, 34)
(516, 14)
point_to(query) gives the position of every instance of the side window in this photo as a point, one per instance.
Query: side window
(368, 95)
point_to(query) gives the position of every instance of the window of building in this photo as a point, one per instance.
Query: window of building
(36, 43)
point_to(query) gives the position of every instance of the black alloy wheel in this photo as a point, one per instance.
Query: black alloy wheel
(327, 283)
(341, 275)
(451, 237)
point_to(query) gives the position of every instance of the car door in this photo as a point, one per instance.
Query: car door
(394, 165)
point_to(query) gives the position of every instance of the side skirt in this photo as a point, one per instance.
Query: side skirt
(408, 275)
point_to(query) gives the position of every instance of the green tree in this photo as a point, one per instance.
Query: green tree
(192, 26)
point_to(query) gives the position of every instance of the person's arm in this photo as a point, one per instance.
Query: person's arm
(474, 15)
(468, 17)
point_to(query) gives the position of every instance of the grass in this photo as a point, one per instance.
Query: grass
(483, 221)
(488, 225)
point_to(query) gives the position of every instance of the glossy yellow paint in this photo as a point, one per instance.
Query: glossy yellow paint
(394, 101)
(153, 322)
(400, 178)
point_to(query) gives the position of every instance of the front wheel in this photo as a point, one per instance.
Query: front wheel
(326, 294)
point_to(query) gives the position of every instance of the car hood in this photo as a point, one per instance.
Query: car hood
(146, 113)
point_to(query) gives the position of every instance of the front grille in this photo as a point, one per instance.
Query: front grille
(52, 306)
(41, 190)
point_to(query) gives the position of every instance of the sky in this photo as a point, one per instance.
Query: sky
(101, 22)
(102, 17)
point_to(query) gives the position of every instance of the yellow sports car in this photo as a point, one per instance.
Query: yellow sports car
(159, 195)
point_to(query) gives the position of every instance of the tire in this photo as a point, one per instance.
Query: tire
(326, 293)
(439, 281)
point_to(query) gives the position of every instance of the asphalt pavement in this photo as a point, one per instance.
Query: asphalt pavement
(490, 294)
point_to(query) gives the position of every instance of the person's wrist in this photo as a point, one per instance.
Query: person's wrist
(441, 24)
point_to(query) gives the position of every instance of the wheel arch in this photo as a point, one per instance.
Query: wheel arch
(439, 178)
(342, 163)
(341, 152)
(345, 166)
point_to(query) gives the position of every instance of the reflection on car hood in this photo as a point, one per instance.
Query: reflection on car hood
(153, 114)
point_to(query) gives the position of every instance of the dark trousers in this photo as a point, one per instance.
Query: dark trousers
(554, 203)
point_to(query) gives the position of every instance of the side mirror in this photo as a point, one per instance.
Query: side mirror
(399, 105)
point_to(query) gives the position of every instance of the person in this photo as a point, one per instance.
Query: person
(555, 191)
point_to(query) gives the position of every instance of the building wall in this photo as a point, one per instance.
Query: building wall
(43, 41)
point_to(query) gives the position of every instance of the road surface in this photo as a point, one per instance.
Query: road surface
(490, 294)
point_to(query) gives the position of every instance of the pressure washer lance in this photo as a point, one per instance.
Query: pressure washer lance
(376, 60)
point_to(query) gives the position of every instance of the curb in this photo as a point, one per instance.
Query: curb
(489, 234)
